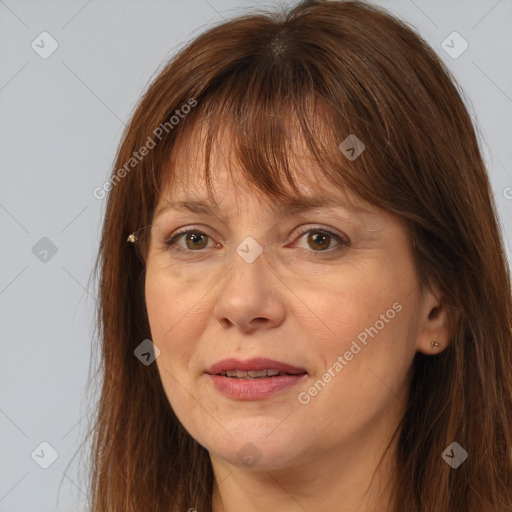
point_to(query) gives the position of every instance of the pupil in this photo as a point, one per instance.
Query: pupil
(318, 237)
(196, 239)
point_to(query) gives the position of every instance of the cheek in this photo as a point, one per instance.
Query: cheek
(340, 307)
(176, 319)
(171, 300)
(365, 357)
(172, 325)
(171, 319)
(369, 319)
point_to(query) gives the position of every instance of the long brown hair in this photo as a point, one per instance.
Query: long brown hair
(362, 72)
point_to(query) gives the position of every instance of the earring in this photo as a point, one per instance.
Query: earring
(132, 238)
(435, 344)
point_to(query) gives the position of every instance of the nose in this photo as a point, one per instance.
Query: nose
(250, 296)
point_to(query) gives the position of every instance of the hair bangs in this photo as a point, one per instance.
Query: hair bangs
(284, 143)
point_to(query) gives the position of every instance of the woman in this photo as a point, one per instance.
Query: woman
(304, 298)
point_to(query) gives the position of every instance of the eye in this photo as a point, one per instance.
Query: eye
(194, 240)
(320, 240)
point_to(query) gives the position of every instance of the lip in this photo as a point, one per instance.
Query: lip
(254, 389)
(256, 363)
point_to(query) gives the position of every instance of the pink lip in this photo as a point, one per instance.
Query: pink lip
(257, 363)
(253, 389)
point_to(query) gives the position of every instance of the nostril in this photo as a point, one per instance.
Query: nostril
(225, 322)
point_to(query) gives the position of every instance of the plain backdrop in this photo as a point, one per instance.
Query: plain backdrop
(61, 119)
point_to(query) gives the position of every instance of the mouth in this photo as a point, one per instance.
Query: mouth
(255, 374)
(254, 379)
(255, 368)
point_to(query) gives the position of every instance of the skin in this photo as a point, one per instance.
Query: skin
(294, 307)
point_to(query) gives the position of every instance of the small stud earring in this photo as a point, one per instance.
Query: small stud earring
(435, 344)
(132, 238)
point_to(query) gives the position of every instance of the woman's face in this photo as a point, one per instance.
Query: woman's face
(257, 280)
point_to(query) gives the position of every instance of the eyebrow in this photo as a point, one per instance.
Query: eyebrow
(303, 204)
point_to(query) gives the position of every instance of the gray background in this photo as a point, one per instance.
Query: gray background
(61, 119)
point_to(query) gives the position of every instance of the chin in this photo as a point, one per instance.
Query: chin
(258, 446)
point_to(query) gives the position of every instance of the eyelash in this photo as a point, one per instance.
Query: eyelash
(343, 243)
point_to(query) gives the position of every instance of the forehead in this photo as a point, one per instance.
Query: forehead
(189, 152)
(185, 179)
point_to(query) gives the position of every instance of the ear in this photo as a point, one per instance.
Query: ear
(434, 322)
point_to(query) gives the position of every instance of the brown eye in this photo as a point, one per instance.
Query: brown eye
(316, 241)
(319, 240)
(196, 240)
